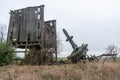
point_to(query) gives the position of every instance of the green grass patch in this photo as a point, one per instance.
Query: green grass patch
(62, 58)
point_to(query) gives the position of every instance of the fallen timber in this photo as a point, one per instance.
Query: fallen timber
(97, 58)
(78, 53)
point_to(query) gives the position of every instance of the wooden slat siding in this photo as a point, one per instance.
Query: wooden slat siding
(55, 34)
(23, 31)
(22, 28)
(42, 25)
(32, 23)
(12, 23)
(9, 27)
(12, 28)
(24, 25)
(29, 25)
(27, 21)
(46, 36)
(36, 25)
(15, 28)
(54, 24)
(50, 34)
(18, 25)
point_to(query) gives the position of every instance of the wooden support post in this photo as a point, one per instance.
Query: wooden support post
(26, 48)
(56, 56)
(41, 56)
(114, 58)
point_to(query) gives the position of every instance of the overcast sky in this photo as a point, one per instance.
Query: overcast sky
(95, 22)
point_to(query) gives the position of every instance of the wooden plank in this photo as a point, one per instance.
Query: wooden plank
(23, 28)
(10, 29)
(33, 12)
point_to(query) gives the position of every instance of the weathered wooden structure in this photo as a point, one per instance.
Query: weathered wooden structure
(27, 29)
(78, 53)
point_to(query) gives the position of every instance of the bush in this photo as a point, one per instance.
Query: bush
(6, 54)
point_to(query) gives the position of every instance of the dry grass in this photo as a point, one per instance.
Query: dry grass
(89, 71)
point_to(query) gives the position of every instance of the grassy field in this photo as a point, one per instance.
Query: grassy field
(62, 58)
(80, 71)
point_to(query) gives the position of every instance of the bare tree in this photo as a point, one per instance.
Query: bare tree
(112, 49)
(3, 31)
(59, 43)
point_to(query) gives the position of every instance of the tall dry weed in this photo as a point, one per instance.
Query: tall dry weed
(80, 71)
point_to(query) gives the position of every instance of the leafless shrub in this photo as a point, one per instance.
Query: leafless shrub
(59, 43)
(3, 31)
(112, 49)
